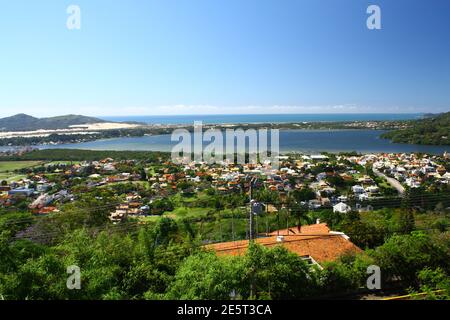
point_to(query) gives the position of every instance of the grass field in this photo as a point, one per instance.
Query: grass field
(6, 166)
(144, 184)
(11, 176)
(7, 169)
(54, 163)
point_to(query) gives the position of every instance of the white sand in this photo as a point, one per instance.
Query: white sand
(105, 126)
(75, 129)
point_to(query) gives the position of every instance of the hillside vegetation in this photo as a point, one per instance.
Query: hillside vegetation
(434, 130)
(24, 122)
(84, 155)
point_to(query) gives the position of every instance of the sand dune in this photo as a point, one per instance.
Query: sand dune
(75, 129)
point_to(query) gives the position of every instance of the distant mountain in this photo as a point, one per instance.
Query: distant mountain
(435, 129)
(431, 115)
(24, 122)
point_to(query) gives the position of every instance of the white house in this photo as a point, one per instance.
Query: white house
(357, 189)
(372, 189)
(319, 157)
(428, 169)
(342, 208)
(363, 197)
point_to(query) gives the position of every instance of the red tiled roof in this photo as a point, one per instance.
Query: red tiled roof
(321, 246)
(315, 229)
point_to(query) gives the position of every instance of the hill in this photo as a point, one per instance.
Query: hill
(24, 122)
(431, 130)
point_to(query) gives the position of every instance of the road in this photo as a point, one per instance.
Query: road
(393, 182)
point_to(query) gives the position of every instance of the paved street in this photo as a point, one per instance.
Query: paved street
(393, 182)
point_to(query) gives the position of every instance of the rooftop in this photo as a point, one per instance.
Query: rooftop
(315, 241)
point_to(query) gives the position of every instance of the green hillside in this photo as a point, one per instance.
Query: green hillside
(433, 130)
(24, 122)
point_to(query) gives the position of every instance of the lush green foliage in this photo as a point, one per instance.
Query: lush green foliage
(86, 155)
(403, 257)
(434, 130)
(23, 122)
(162, 260)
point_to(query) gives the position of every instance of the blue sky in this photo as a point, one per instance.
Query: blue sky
(223, 56)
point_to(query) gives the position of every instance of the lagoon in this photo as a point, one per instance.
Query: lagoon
(305, 141)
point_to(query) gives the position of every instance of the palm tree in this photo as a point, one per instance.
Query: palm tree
(298, 211)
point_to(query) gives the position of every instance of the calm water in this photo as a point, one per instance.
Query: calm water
(265, 118)
(308, 141)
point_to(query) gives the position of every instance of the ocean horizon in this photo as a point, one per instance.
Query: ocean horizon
(263, 118)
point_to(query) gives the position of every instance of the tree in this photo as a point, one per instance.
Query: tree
(159, 206)
(363, 234)
(165, 231)
(338, 278)
(304, 194)
(337, 181)
(268, 196)
(298, 211)
(206, 276)
(403, 256)
(40, 278)
(143, 174)
(89, 211)
(275, 273)
(439, 207)
(407, 222)
(436, 283)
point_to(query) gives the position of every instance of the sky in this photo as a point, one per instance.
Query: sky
(158, 57)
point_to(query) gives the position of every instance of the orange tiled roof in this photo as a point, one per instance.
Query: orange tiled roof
(321, 247)
(46, 210)
(315, 229)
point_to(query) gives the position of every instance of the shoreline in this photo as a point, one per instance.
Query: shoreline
(98, 131)
(291, 141)
(92, 135)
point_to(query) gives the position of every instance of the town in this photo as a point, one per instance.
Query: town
(338, 182)
(319, 207)
(214, 157)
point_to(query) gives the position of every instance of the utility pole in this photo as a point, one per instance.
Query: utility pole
(251, 223)
(232, 223)
(251, 227)
(287, 218)
(220, 227)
